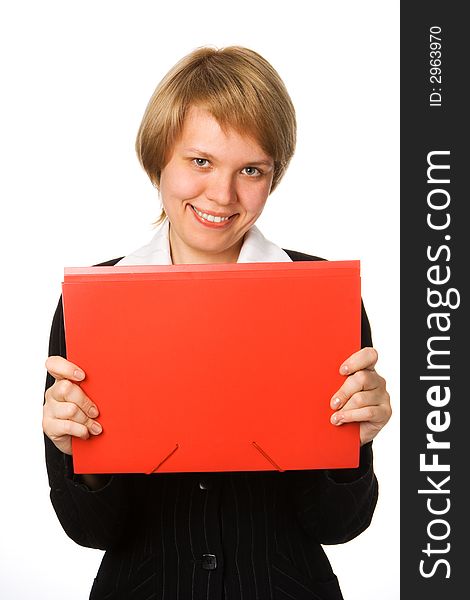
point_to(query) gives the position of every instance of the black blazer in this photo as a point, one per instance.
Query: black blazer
(213, 536)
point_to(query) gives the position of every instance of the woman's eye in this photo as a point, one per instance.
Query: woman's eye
(252, 171)
(201, 162)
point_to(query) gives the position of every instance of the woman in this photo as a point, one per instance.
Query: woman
(216, 139)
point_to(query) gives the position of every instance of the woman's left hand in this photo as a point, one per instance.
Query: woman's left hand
(363, 396)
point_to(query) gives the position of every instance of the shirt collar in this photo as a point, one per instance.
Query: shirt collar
(255, 248)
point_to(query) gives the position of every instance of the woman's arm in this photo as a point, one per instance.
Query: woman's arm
(334, 506)
(91, 509)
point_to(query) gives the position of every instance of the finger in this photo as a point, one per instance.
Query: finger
(68, 411)
(58, 428)
(361, 400)
(360, 381)
(61, 368)
(64, 390)
(363, 359)
(371, 414)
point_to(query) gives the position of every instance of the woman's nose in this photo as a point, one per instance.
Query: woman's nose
(221, 189)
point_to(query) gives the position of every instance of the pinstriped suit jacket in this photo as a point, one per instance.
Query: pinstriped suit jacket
(213, 536)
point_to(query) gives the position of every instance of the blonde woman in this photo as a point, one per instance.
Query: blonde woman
(216, 139)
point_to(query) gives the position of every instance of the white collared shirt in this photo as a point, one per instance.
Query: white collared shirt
(256, 248)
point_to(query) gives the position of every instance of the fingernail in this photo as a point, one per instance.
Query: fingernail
(78, 374)
(336, 402)
(336, 419)
(96, 428)
(344, 370)
(93, 412)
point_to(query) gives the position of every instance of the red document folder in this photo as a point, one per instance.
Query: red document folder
(214, 367)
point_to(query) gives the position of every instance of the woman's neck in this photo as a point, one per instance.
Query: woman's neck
(181, 254)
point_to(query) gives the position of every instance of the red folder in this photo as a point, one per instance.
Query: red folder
(214, 367)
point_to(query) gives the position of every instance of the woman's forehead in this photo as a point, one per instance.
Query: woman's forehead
(203, 133)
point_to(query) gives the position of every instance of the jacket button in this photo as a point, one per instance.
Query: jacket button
(204, 484)
(209, 562)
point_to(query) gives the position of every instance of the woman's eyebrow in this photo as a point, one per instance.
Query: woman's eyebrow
(203, 153)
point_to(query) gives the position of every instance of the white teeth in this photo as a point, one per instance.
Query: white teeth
(209, 218)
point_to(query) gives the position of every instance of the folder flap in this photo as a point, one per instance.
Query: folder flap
(257, 270)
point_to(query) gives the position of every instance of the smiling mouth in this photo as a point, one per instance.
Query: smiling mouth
(210, 218)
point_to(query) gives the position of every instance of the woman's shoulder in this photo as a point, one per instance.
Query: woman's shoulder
(294, 255)
(109, 263)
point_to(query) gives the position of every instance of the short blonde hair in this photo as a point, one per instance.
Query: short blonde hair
(238, 87)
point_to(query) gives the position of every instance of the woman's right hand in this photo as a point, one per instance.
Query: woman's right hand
(67, 412)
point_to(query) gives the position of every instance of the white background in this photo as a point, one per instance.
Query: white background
(75, 80)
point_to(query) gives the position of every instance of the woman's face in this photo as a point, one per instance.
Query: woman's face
(213, 189)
